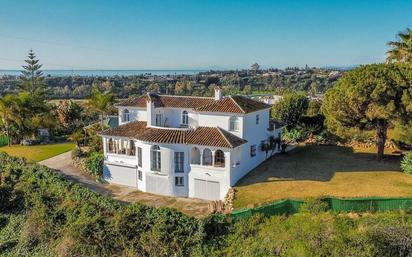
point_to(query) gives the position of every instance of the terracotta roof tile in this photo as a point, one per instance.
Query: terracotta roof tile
(233, 104)
(207, 136)
(167, 101)
(249, 105)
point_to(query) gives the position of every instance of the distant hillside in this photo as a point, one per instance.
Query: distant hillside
(310, 80)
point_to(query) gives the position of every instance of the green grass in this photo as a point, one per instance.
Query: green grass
(37, 152)
(312, 171)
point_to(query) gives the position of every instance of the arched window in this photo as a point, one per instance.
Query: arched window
(156, 158)
(195, 156)
(132, 148)
(111, 146)
(207, 157)
(126, 115)
(219, 158)
(234, 123)
(185, 118)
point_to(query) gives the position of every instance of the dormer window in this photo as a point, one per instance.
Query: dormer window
(185, 119)
(234, 123)
(126, 116)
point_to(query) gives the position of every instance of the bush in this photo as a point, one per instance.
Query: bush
(312, 124)
(293, 135)
(314, 206)
(94, 164)
(406, 163)
(65, 219)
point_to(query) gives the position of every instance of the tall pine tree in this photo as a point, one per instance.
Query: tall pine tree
(32, 76)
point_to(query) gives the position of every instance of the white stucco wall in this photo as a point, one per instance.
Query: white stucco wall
(135, 114)
(221, 120)
(254, 134)
(238, 161)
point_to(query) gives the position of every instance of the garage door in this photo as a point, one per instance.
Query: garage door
(209, 190)
(119, 174)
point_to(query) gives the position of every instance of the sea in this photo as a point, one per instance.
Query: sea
(105, 73)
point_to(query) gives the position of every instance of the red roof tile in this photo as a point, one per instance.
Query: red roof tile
(207, 136)
(232, 104)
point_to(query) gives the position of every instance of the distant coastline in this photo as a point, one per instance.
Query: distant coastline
(59, 73)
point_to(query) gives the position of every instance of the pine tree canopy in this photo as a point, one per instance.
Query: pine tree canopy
(31, 79)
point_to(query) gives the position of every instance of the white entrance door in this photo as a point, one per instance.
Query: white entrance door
(120, 174)
(209, 190)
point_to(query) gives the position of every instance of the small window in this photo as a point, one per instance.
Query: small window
(253, 150)
(257, 119)
(179, 181)
(156, 161)
(185, 119)
(179, 161)
(139, 157)
(140, 175)
(126, 115)
(234, 124)
(158, 120)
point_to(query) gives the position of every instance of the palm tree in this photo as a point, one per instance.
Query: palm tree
(9, 114)
(401, 51)
(101, 101)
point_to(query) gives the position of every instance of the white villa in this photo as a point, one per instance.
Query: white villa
(188, 146)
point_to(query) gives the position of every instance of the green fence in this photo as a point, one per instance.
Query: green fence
(4, 140)
(288, 207)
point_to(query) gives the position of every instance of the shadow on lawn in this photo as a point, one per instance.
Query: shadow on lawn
(317, 163)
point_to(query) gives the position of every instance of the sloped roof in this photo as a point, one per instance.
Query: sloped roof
(167, 101)
(207, 136)
(232, 104)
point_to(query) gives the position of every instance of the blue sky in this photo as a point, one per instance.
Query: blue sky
(92, 34)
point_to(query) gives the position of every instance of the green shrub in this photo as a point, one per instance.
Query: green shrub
(94, 164)
(293, 135)
(406, 163)
(314, 206)
(312, 124)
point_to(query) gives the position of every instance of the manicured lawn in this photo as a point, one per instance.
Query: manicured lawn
(310, 171)
(37, 152)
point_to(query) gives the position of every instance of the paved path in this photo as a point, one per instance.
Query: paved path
(63, 164)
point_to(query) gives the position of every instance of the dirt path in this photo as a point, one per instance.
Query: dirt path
(62, 163)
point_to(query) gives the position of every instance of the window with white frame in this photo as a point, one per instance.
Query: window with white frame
(234, 123)
(257, 119)
(179, 181)
(156, 158)
(179, 162)
(253, 150)
(139, 175)
(126, 115)
(185, 119)
(139, 156)
(158, 119)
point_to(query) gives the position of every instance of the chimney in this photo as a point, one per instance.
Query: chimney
(149, 110)
(218, 93)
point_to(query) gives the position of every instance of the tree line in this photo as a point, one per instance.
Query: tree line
(370, 97)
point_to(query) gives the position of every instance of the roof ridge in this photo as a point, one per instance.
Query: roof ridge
(224, 136)
(237, 104)
(204, 97)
